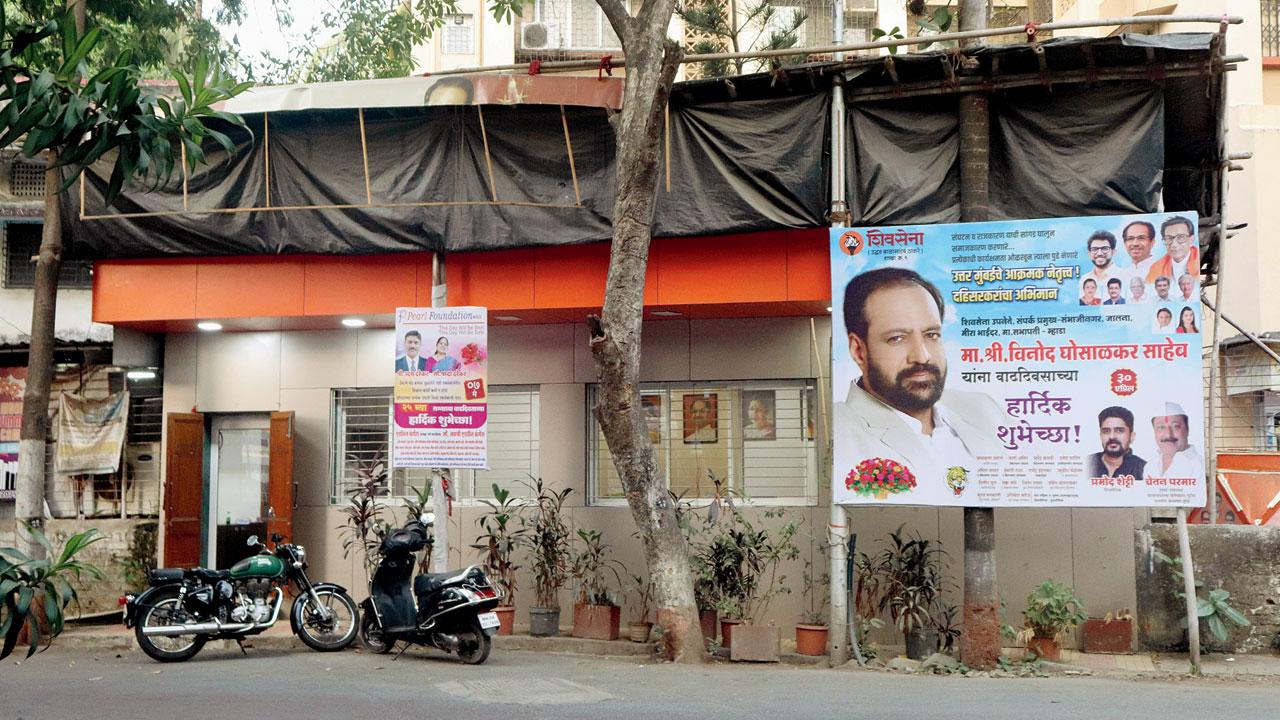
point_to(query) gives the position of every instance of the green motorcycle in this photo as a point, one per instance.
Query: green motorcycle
(185, 608)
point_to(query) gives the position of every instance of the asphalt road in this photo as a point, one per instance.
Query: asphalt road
(78, 683)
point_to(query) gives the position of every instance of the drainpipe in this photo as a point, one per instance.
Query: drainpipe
(838, 528)
(439, 501)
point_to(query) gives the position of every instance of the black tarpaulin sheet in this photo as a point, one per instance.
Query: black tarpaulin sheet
(748, 153)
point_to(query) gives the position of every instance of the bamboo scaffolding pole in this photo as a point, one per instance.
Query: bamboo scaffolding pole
(1211, 426)
(488, 159)
(266, 156)
(570, 65)
(340, 206)
(364, 156)
(666, 139)
(183, 147)
(573, 167)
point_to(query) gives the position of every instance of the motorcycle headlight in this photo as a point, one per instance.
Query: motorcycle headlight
(301, 552)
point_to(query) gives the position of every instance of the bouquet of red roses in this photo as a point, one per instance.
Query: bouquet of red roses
(472, 353)
(879, 476)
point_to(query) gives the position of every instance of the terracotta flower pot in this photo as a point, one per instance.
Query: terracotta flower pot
(811, 639)
(506, 619)
(1101, 636)
(1045, 648)
(707, 618)
(596, 622)
(639, 631)
(727, 626)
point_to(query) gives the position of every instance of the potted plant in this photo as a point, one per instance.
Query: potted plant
(1052, 611)
(749, 558)
(595, 615)
(811, 631)
(499, 539)
(35, 594)
(548, 543)
(912, 585)
(638, 630)
(1112, 633)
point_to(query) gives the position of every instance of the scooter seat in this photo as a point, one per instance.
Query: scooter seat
(430, 582)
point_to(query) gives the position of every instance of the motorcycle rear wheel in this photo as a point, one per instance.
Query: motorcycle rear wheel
(372, 637)
(335, 633)
(474, 644)
(176, 648)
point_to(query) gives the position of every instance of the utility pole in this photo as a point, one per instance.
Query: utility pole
(980, 639)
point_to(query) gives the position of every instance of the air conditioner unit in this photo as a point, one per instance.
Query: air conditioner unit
(540, 36)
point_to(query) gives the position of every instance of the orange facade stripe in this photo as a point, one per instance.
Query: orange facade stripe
(766, 274)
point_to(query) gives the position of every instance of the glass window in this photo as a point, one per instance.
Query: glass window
(362, 441)
(756, 435)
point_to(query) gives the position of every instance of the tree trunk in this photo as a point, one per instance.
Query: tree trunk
(78, 9)
(35, 401)
(980, 640)
(652, 60)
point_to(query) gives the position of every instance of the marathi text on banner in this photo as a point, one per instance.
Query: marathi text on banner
(1024, 363)
(440, 417)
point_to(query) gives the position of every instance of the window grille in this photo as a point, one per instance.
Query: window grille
(459, 35)
(1270, 28)
(774, 460)
(26, 179)
(22, 244)
(362, 443)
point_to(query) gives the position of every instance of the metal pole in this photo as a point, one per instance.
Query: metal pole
(1211, 440)
(1189, 589)
(439, 500)
(837, 528)
(557, 65)
(1253, 338)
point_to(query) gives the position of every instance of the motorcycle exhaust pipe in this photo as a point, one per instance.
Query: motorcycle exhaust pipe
(195, 628)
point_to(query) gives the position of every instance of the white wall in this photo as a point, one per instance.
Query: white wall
(72, 322)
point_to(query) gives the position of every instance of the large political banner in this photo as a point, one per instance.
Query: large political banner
(1021, 363)
(441, 388)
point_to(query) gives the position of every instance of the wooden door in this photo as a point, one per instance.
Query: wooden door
(281, 488)
(183, 489)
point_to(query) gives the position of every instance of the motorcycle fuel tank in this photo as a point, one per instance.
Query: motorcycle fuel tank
(258, 566)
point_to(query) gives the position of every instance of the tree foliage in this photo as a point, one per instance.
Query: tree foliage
(54, 102)
(35, 593)
(758, 25)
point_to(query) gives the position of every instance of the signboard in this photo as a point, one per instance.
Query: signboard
(13, 383)
(440, 398)
(1027, 363)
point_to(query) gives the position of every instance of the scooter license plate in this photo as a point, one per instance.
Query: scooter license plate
(488, 620)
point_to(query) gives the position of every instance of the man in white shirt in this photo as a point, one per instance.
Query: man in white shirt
(898, 410)
(1181, 257)
(1178, 458)
(1163, 322)
(1139, 237)
(1138, 290)
(1102, 250)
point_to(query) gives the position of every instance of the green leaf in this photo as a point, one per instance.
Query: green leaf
(1217, 628)
(1204, 608)
(184, 86)
(1229, 613)
(23, 603)
(42, 83)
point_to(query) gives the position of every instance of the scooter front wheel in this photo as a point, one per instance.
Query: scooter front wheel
(474, 644)
(372, 636)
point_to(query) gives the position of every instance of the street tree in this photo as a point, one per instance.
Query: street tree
(652, 59)
(56, 106)
(724, 26)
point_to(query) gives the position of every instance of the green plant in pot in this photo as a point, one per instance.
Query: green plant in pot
(910, 589)
(811, 631)
(595, 615)
(34, 594)
(1053, 610)
(747, 559)
(548, 543)
(639, 629)
(498, 540)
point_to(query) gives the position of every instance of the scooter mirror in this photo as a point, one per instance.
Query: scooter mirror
(252, 541)
(427, 518)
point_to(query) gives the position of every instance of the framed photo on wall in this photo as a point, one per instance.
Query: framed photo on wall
(652, 406)
(759, 420)
(701, 419)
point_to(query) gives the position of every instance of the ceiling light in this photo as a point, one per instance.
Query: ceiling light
(665, 313)
(506, 318)
(828, 308)
(353, 322)
(141, 374)
(209, 326)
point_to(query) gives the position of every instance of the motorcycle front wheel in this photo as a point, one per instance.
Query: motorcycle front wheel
(331, 630)
(474, 644)
(163, 612)
(372, 636)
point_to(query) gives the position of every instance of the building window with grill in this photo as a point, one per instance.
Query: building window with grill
(22, 244)
(362, 445)
(459, 34)
(1270, 28)
(756, 438)
(26, 179)
(568, 25)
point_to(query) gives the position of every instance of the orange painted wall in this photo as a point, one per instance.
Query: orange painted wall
(772, 273)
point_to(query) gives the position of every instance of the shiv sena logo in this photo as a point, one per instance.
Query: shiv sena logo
(852, 242)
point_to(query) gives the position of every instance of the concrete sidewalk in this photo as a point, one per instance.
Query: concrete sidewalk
(1142, 665)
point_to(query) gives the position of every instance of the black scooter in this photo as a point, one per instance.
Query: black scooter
(452, 611)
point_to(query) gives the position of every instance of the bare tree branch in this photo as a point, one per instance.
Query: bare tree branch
(619, 18)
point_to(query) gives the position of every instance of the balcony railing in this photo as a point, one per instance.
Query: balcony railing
(1270, 28)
